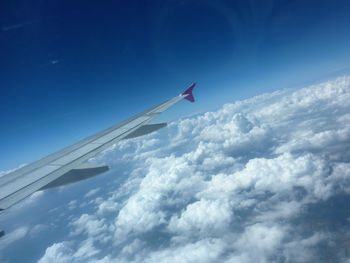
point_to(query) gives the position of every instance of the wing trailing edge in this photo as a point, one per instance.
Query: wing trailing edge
(80, 173)
(145, 129)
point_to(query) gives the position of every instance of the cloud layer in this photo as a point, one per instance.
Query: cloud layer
(241, 184)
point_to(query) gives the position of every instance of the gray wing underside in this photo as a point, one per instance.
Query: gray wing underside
(67, 165)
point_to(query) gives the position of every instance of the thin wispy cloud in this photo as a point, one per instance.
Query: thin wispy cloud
(19, 25)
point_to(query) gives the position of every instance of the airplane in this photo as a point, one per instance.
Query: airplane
(70, 165)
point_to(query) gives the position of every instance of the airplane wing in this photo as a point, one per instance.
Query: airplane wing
(69, 164)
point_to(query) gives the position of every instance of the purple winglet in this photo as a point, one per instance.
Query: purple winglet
(188, 93)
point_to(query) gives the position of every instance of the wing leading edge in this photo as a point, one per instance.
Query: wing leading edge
(67, 165)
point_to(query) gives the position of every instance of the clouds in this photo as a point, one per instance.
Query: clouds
(92, 192)
(89, 225)
(204, 250)
(13, 236)
(2, 173)
(235, 185)
(60, 253)
(202, 218)
(259, 243)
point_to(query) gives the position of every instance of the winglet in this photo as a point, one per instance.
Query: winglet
(188, 93)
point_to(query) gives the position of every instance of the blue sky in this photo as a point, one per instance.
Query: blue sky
(70, 69)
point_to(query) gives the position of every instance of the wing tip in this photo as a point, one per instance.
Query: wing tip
(188, 94)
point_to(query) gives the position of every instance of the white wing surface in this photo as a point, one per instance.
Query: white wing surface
(67, 165)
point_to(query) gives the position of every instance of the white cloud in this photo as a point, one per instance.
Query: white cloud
(13, 236)
(2, 173)
(108, 206)
(202, 218)
(37, 229)
(299, 250)
(205, 250)
(90, 225)
(235, 185)
(259, 243)
(63, 252)
(72, 204)
(92, 192)
(57, 253)
(86, 250)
